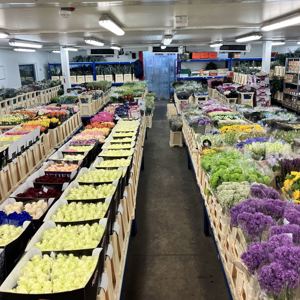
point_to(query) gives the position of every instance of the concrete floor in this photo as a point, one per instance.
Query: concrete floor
(170, 258)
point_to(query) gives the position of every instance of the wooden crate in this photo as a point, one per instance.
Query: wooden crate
(149, 121)
(175, 139)
(171, 110)
(119, 78)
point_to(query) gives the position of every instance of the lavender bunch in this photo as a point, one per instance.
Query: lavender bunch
(254, 225)
(263, 191)
(289, 228)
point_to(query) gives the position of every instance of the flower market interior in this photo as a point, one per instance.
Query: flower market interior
(150, 150)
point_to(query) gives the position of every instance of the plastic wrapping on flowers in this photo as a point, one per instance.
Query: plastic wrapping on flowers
(175, 123)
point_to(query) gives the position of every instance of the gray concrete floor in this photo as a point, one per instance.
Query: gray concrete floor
(170, 258)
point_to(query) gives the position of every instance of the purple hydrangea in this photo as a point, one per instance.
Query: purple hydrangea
(255, 224)
(274, 278)
(262, 191)
(294, 229)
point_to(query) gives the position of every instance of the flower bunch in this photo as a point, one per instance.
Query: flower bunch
(291, 186)
(242, 128)
(230, 193)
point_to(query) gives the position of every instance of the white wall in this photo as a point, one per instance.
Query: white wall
(11, 60)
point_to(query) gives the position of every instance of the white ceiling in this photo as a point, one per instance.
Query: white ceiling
(144, 21)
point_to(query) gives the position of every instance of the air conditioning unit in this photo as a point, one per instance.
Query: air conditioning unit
(235, 48)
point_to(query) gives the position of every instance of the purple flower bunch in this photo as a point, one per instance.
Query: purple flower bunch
(204, 121)
(261, 253)
(254, 224)
(269, 207)
(262, 191)
(241, 145)
(277, 263)
(292, 214)
(293, 229)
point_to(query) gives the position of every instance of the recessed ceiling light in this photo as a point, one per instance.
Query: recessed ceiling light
(249, 38)
(3, 35)
(24, 50)
(26, 44)
(286, 21)
(107, 23)
(72, 49)
(216, 44)
(278, 43)
(93, 42)
(115, 47)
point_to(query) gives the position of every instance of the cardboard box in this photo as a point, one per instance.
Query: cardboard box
(50, 224)
(87, 292)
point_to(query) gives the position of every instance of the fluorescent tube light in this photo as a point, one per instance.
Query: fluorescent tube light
(278, 43)
(115, 47)
(167, 40)
(110, 25)
(163, 47)
(24, 50)
(216, 44)
(3, 35)
(56, 51)
(93, 42)
(72, 49)
(26, 44)
(249, 38)
(282, 23)
(298, 43)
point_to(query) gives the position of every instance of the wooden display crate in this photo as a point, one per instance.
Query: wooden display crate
(175, 139)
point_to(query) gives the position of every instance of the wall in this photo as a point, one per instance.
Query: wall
(11, 60)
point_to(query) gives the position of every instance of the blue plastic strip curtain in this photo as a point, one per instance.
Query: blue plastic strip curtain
(160, 72)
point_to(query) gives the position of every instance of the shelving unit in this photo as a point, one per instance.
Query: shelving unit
(291, 87)
(229, 64)
(91, 68)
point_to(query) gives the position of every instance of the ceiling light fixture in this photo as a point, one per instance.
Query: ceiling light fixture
(56, 51)
(249, 37)
(3, 35)
(72, 49)
(26, 44)
(283, 22)
(167, 39)
(24, 50)
(163, 47)
(216, 44)
(107, 23)
(278, 43)
(115, 47)
(93, 42)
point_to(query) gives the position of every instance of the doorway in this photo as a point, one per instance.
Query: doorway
(27, 74)
(159, 70)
